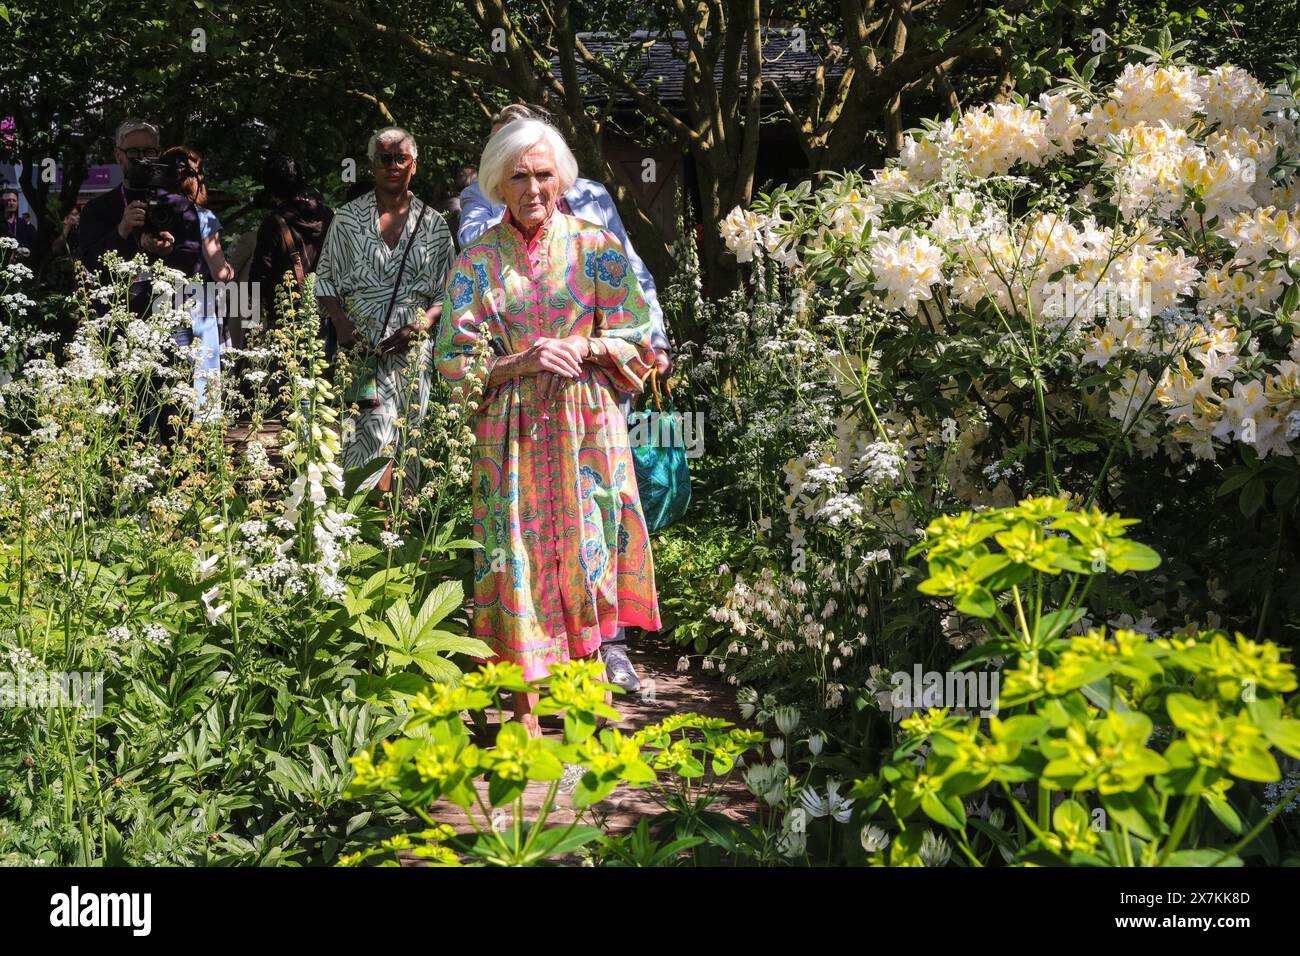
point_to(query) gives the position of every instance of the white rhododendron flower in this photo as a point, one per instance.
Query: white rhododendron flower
(906, 267)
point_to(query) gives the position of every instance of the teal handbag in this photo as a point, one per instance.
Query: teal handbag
(659, 456)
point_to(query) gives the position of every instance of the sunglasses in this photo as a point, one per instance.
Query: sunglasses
(400, 160)
(146, 152)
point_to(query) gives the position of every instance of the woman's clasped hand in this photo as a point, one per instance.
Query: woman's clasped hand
(554, 361)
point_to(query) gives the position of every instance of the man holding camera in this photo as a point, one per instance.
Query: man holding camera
(114, 222)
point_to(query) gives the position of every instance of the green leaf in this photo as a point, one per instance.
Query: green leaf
(983, 652)
(1050, 625)
(1000, 837)
(354, 478)
(1283, 734)
(1019, 729)
(1222, 809)
(1290, 299)
(593, 788)
(977, 602)
(501, 791)
(1070, 816)
(1099, 693)
(947, 811)
(1252, 496)
(442, 600)
(399, 616)
(1233, 482)
(986, 565)
(1255, 764)
(557, 841)
(458, 544)
(1124, 556)
(444, 642)
(1138, 812)
(439, 669)
(578, 726)
(377, 631)
(1202, 857)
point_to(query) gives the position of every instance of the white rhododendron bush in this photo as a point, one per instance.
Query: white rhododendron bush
(1092, 293)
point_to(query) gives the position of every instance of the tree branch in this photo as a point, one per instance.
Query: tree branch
(444, 59)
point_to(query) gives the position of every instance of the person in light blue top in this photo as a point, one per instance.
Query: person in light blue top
(207, 314)
(213, 268)
(589, 201)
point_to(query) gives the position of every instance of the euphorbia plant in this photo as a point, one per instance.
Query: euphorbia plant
(436, 759)
(1140, 749)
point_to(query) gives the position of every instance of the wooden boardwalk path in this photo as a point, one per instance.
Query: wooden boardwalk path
(664, 692)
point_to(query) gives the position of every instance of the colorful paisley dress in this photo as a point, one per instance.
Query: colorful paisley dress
(566, 554)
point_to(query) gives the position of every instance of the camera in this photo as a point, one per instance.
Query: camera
(158, 184)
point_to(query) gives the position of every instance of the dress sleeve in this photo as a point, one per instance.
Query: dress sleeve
(464, 325)
(623, 316)
(332, 269)
(442, 256)
(209, 224)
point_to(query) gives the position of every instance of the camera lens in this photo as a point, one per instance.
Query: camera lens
(160, 216)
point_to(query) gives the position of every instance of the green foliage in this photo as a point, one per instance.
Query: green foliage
(435, 759)
(254, 627)
(1147, 746)
(689, 561)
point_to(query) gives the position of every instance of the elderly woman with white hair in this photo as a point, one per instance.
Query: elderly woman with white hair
(566, 553)
(380, 281)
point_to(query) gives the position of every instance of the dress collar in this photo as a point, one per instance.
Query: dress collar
(518, 234)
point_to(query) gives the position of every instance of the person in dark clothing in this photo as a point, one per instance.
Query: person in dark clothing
(67, 240)
(111, 222)
(292, 235)
(289, 243)
(15, 226)
(60, 271)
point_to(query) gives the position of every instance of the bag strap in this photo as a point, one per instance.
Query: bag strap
(290, 240)
(654, 386)
(401, 269)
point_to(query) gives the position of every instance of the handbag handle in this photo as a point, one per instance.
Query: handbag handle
(654, 387)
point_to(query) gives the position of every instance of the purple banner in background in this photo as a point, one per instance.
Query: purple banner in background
(99, 176)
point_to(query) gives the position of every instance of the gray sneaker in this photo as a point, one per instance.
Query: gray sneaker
(618, 669)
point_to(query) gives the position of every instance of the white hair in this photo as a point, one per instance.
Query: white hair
(390, 134)
(507, 144)
(129, 126)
